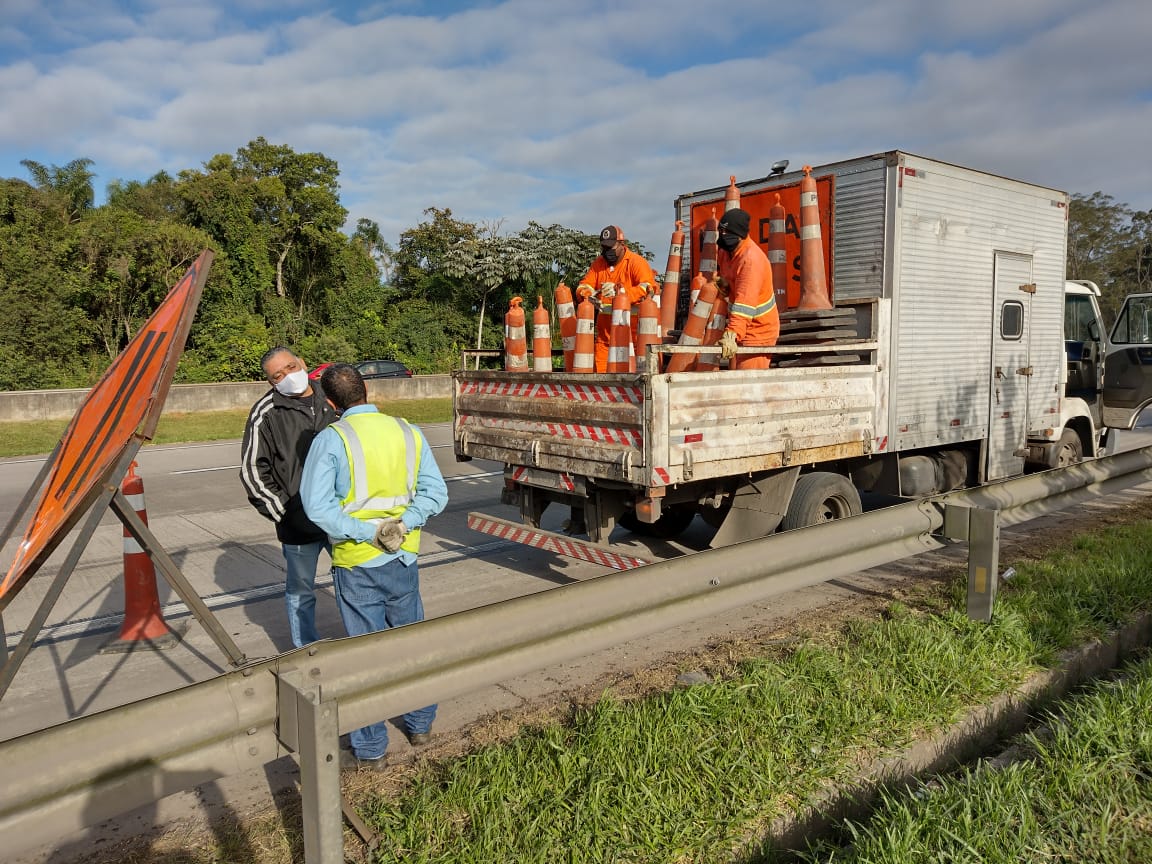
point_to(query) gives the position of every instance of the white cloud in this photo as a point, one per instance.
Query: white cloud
(584, 113)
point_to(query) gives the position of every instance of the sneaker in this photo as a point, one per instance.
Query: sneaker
(419, 739)
(349, 761)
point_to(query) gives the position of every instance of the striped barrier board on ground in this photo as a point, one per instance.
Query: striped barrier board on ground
(551, 542)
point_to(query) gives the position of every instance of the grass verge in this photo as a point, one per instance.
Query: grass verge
(1079, 790)
(31, 437)
(696, 774)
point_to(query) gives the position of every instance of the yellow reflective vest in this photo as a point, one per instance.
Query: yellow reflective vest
(383, 460)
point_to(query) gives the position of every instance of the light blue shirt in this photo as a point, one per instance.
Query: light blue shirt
(327, 479)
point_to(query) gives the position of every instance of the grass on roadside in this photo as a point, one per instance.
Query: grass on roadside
(1079, 790)
(696, 774)
(31, 437)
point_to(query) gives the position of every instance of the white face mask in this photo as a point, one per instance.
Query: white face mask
(294, 383)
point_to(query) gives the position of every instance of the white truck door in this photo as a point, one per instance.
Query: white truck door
(1128, 367)
(1011, 368)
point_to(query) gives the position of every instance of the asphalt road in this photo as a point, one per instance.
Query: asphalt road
(198, 511)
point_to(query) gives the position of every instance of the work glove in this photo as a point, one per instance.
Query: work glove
(728, 345)
(389, 535)
(607, 290)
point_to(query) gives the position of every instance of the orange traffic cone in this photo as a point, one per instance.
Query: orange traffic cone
(778, 257)
(813, 282)
(647, 333)
(620, 356)
(515, 341)
(144, 623)
(731, 195)
(693, 332)
(707, 266)
(584, 355)
(566, 313)
(717, 324)
(541, 338)
(670, 291)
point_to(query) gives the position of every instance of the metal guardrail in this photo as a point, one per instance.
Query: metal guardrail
(84, 771)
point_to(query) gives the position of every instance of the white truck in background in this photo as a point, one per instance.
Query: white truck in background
(949, 366)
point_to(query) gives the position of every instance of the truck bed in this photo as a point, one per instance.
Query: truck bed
(654, 430)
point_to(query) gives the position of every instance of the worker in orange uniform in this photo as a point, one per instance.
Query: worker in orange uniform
(617, 268)
(744, 271)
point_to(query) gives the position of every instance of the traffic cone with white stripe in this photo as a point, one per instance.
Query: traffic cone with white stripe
(717, 324)
(566, 313)
(515, 339)
(647, 333)
(541, 338)
(731, 194)
(621, 356)
(584, 356)
(813, 282)
(144, 623)
(693, 332)
(786, 296)
(670, 291)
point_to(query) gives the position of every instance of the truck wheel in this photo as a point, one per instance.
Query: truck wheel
(820, 497)
(673, 522)
(1069, 451)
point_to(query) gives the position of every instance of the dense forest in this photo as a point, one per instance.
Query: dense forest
(76, 280)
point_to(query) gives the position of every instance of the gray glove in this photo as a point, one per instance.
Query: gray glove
(389, 535)
(728, 345)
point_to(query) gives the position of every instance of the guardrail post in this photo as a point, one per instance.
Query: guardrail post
(981, 528)
(309, 726)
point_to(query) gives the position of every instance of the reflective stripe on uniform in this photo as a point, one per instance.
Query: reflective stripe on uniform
(360, 499)
(745, 311)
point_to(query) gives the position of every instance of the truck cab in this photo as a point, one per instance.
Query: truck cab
(1085, 345)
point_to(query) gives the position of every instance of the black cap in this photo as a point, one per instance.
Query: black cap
(736, 222)
(611, 235)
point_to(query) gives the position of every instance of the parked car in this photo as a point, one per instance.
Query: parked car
(383, 369)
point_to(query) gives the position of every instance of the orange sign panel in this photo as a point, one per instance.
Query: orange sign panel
(758, 203)
(129, 394)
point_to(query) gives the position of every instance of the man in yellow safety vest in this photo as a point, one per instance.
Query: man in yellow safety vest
(371, 482)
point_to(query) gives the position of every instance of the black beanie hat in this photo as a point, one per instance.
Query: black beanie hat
(736, 222)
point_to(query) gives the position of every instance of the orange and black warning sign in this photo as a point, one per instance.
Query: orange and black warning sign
(125, 403)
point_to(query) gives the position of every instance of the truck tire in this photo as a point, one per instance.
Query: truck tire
(820, 497)
(1069, 450)
(673, 522)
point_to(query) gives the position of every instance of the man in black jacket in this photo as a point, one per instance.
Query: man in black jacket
(280, 429)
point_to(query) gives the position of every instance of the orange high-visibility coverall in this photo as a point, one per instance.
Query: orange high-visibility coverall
(633, 275)
(752, 313)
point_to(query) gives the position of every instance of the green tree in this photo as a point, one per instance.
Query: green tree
(156, 198)
(419, 261)
(69, 188)
(1096, 236)
(45, 336)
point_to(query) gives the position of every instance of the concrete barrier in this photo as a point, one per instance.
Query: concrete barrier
(186, 398)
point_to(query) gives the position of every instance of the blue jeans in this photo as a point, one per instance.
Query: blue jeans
(300, 590)
(373, 599)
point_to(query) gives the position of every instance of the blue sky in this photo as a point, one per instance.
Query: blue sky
(584, 112)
